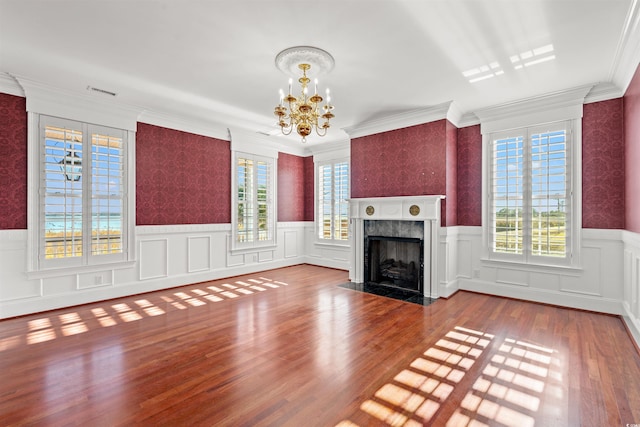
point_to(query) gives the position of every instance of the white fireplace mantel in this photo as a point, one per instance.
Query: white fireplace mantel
(400, 208)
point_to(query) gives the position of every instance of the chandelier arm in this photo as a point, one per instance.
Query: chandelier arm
(325, 130)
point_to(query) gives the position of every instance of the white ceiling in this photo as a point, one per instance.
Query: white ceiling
(214, 60)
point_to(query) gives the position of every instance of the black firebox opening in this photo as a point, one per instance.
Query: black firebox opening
(394, 261)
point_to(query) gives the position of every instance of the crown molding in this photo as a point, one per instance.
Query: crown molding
(331, 150)
(10, 86)
(199, 127)
(89, 108)
(603, 92)
(562, 105)
(468, 119)
(628, 51)
(447, 110)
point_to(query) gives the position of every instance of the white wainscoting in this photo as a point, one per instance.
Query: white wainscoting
(167, 256)
(631, 292)
(596, 286)
(333, 256)
(447, 262)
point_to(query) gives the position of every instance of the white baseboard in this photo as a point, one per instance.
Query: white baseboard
(562, 299)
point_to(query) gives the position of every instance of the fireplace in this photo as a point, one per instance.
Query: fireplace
(395, 242)
(394, 261)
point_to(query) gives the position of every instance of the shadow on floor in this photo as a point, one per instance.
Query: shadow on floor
(389, 292)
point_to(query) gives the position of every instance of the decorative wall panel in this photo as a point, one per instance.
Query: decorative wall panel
(199, 253)
(290, 244)
(154, 259)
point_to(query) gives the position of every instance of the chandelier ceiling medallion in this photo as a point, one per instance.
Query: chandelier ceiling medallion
(305, 112)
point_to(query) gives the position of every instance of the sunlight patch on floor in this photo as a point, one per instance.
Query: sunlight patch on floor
(71, 323)
(508, 389)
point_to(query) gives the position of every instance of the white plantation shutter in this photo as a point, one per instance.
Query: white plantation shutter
(332, 208)
(550, 192)
(82, 202)
(244, 168)
(325, 199)
(263, 197)
(254, 199)
(61, 195)
(108, 193)
(507, 190)
(530, 181)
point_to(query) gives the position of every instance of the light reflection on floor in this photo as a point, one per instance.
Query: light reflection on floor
(112, 313)
(508, 391)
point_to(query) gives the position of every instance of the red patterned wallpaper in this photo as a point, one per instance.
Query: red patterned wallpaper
(13, 168)
(309, 188)
(603, 165)
(450, 204)
(291, 187)
(469, 191)
(402, 162)
(632, 154)
(181, 178)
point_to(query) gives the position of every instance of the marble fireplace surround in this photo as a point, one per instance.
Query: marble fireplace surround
(401, 208)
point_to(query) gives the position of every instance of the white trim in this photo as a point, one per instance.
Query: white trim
(317, 192)
(628, 50)
(39, 262)
(66, 271)
(142, 230)
(446, 110)
(87, 108)
(272, 204)
(603, 92)
(252, 143)
(184, 124)
(552, 297)
(553, 107)
(10, 86)
(342, 153)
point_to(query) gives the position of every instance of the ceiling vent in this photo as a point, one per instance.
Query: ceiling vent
(102, 91)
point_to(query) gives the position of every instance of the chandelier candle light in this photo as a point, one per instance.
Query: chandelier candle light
(305, 112)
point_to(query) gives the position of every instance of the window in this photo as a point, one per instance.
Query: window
(332, 207)
(82, 198)
(530, 194)
(254, 223)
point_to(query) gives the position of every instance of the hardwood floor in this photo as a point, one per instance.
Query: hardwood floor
(288, 347)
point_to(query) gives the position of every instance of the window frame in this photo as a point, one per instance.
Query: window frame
(527, 256)
(87, 259)
(555, 107)
(317, 204)
(271, 199)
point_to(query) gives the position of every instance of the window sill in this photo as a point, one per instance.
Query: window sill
(67, 271)
(539, 268)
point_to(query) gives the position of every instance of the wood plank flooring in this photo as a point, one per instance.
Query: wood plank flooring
(288, 347)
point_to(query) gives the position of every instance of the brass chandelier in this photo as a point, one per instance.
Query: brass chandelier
(306, 112)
